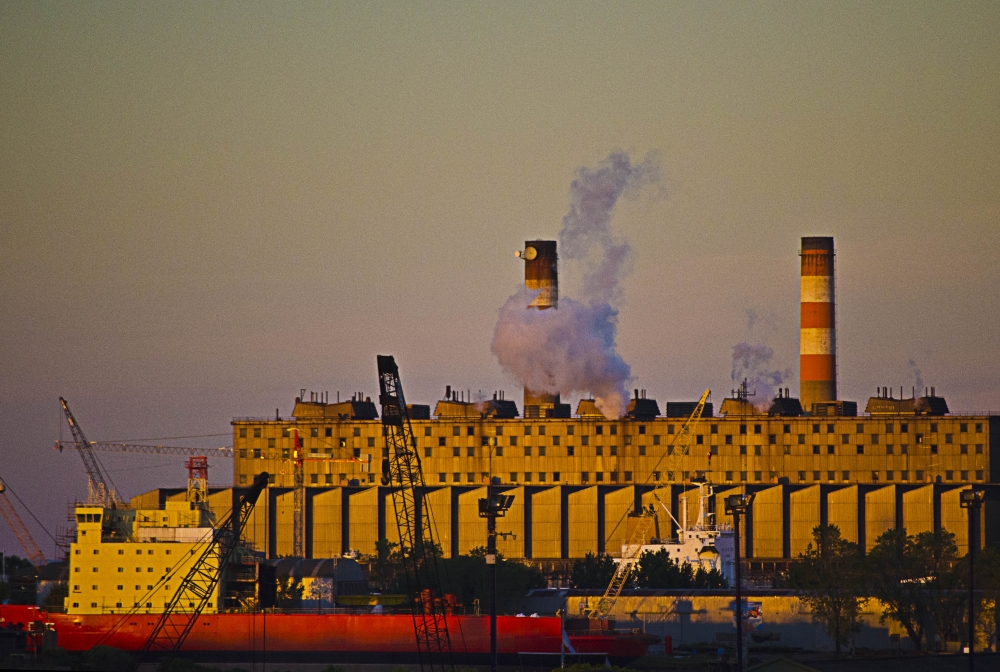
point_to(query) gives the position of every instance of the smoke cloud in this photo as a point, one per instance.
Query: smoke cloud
(572, 348)
(751, 362)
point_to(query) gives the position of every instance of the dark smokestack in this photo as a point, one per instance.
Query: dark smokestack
(541, 274)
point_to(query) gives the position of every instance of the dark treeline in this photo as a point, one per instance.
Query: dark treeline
(920, 579)
(654, 570)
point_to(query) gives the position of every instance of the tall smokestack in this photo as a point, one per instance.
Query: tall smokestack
(818, 339)
(541, 274)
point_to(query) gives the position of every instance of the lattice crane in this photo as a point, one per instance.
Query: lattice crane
(645, 518)
(112, 447)
(27, 542)
(198, 586)
(402, 472)
(100, 490)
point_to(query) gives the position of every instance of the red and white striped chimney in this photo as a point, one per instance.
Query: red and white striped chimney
(818, 338)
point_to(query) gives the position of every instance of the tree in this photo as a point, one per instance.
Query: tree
(290, 591)
(657, 570)
(945, 581)
(897, 579)
(830, 579)
(593, 571)
(467, 577)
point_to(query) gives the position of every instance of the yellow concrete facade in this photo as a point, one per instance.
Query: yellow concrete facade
(574, 480)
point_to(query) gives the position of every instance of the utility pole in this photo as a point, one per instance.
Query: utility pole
(972, 500)
(736, 506)
(494, 506)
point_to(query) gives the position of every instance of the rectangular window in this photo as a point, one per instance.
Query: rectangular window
(888, 427)
(527, 451)
(888, 449)
(314, 432)
(656, 439)
(256, 432)
(903, 449)
(904, 475)
(328, 478)
(470, 477)
(802, 477)
(756, 429)
(713, 450)
(357, 431)
(527, 430)
(699, 439)
(965, 475)
(456, 451)
(714, 429)
(541, 430)
(874, 439)
(342, 442)
(787, 449)
(555, 476)
(442, 477)
(470, 451)
(831, 475)
(889, 475)
(284, 432)
(270, 443)
(371, 441)
(949, 475)
(570, 430)
(729, 439)
(934, 449)
(456, 430)
(743, 450)
(456, 478)
(729, 477)
(499, 451)
(815, 452)
(243, 432)
(513, 440)
(614, 430)
(570, 451)
(786, 429)
(979, 449)
(979, 474)
(948, 438)
(964, 449)
(846, 476)
(427, 430)
(757, 450)
(642, 429)
(757, 476)
(670, 429)
(441, 441)
(541, 477)
(599, 476)
(656, 475)
(243, 452)
(470, 431)
(642, 450)
(771, 439)
(484, 441)
(585, 476)
(845, 438)
(979, 427)
(874, 476)
(859, 428)
(314, 478)
(584, 440)
(920, 474)
(612, 450)
(427, 451)
(614, 476)
(829, 429)
(555, 440)
(861, 449)
(829, 450)
(499, 430)
(256, 452)
(541, 451)
(598, 450)
(815, 475)
(933, 428)
(328, 432)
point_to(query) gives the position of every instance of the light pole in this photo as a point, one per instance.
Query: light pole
(973, 501)
(493, 506)
(736, 506)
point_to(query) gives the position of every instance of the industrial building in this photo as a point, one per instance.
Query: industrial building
(575, 476)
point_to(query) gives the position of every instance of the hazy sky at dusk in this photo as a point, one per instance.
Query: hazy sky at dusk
(205, 207)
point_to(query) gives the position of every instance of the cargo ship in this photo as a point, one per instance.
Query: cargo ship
(326, 638)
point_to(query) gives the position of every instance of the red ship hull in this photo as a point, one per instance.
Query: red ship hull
(332, 637)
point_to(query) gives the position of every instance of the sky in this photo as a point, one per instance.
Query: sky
(205, 207)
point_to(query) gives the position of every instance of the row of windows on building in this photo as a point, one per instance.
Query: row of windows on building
(118, 605)
(541, 451)
(540, 430)
(121, 551)
(122, 569)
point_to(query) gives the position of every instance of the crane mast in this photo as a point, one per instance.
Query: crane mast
(100, 490)
(402, 472)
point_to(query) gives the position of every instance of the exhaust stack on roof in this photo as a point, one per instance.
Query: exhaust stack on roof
(818, 338)
(541, 274)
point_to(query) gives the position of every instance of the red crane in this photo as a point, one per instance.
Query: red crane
(20, 531)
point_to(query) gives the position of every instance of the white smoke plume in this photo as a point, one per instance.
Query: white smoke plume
(751, 362)
(918, 379)
(572, 348)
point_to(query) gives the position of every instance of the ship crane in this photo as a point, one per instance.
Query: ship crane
(16, 525)
(198, 586)
(402, 472)
(644, 519)
(100, 490)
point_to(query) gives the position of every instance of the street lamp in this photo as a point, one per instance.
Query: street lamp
(493, 506)
(736, 506)
(973, 501)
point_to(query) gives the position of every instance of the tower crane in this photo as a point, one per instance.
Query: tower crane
(111, 447)
(199, 583)
(20, 531)
(402, 472)
(100, 490)
(645, 518)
